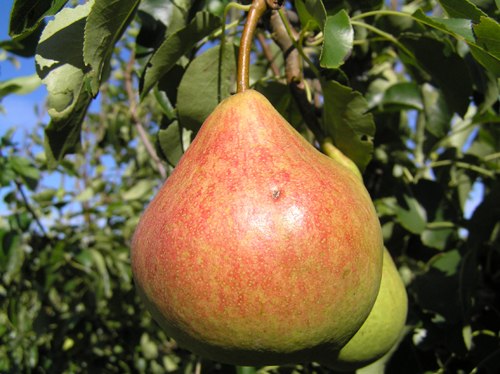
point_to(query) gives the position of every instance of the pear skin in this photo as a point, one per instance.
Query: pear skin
(383, 326)
(258, 249)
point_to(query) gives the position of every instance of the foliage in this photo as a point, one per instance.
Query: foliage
(408, 90)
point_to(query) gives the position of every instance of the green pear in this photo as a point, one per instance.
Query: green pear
(258, 249)
(383, 326)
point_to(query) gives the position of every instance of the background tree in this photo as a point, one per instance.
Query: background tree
(407, 90)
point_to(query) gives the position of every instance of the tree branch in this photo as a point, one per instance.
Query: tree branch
(269, 55)
(293, 74)
(28, 206)
(133, 114)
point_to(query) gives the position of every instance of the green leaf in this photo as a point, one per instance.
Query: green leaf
(140, 189)
(402, 96)
(444, 65)
(100, 264)
(106, 23)
(20, 85)
(12, 255)
(25, 46)
(174, 47)
(339, 37)
(59, 62)
(199, 88)
(26, 15)
(171, 14)
(485, 218)
(491, 63)
(245, 370)
(411, 214)
(458, 27)
(58, 143)
(448, 263)
(436, 237)
(85, 195)
(461, 9)
(345, 121)
(438, 116)
(169, 84)
(312, 14)
(278, 95)
(488, 36)
(29, 174)
(170, 140)
(437, 292)
(460, 131)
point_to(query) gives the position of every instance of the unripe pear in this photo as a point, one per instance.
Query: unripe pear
(382, 328)
(258, 249)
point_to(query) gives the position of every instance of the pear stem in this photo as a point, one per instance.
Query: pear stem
(256, 11)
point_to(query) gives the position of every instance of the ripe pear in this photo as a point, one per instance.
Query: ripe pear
(258, 249)
(381, 329)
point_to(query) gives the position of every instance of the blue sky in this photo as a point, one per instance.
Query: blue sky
(20, 109)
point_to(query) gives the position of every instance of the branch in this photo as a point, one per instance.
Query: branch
(268, 54)
(133, 114)
(28, 206)
(293, 74)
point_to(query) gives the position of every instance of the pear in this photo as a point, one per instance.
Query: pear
(381, 329)
(258, 249)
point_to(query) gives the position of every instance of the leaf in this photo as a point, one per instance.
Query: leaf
(465, 29)
(436, 237)
(87, 194)
(106, 23)
(485, 217)
(29, 174)
(171, 14)
(174, 47)
(449, 263)
(461, 9)
(339, 38)
(169, 84)
(438, 116)
(312, 14)
(139, 190)
(12, 255)
(460, 131)
(487, 60)
(170, 140)
(20, 85)
(26, 15)
(345, 121)
(488, 36)
(58, 143)
(458, 27)
(151, 34)
(402, 96)
(59, 62)
(436, 292)
(444, 65)
(411, 214)
(100, 264)
(199, 88)
(149, 347)
(25, 46)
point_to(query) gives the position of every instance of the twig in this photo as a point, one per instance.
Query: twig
(133, 114)
(28, 206)
(269, 55)
(293, 74)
